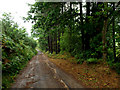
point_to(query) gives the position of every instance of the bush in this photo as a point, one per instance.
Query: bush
(92, 60)
(80, 61)
(62, 52)
(54, 53)
(79, 56)
(115, 66)
(17, 49)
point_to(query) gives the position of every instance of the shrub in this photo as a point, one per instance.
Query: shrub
(92, 60)
(80, 61)
(115, 66)
(17, 49)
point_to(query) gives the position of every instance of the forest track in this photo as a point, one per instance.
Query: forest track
(41, 73)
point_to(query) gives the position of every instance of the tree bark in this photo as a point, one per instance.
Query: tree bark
(82, 31)
(49, 43)
(58, 47)
(87, 36)
(70, 31)
(104, 39)
(104, 31)
(55, 42)
(114, 50)
(62, 13)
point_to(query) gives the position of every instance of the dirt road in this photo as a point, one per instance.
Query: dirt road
(41, 73)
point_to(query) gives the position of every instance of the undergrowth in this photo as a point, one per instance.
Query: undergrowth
(17, 49)
(77, 60)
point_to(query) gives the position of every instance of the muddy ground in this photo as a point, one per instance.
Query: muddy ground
(41, 73)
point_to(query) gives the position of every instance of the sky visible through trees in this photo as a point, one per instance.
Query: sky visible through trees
(18, 9)
(86, 30)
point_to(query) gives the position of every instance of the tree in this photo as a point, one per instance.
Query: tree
(69, 29)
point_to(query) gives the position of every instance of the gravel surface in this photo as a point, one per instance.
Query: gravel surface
(41, 73)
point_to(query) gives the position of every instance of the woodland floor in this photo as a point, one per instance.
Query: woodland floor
(90, 75)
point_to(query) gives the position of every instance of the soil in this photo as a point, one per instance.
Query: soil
(91, 75)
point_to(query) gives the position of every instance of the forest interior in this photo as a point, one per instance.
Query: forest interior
(81, 38)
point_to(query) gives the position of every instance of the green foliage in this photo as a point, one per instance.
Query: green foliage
(92, 61)
(63, 27)
(115, 66)
(17, 49)
(62, 52)
(80, 61)
(79, 56)
(65, 42)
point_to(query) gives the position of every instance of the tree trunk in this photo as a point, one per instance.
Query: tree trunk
(104, 39)
(87, 36)
(82, 31)
(55, 42)
(58, 49)
(114, 51)
(62, 13)
(104, 31)
(49, 43)
(46, 45)
(70, 32)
